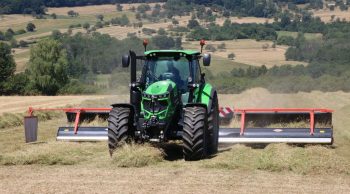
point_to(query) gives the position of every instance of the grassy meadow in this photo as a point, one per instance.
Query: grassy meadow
(312, 159)
(50, 166)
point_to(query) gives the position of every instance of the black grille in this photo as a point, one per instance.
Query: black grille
(147, 105)
(156, 105)
(160, 105)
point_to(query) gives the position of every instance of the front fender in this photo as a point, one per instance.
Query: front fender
(125, 105)
(207, 95)
(196, 104)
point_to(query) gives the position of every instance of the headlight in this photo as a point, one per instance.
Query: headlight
(163, 95)
(155, 96)
(146, 95)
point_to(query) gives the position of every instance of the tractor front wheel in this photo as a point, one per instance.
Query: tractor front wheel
(119, 127)
(194, 134)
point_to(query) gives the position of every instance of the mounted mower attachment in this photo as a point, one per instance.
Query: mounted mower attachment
(76, 116)
(301, 126)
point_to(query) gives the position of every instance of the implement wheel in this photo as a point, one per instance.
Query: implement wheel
(194, 134)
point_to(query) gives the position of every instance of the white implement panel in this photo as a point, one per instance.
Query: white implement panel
(82, 138)
(276, 140)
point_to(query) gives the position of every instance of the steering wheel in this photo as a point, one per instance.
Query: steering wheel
(168, 75)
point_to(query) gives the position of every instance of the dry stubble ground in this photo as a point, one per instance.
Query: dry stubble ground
(71, 179)
(59, 167)
(20, 104)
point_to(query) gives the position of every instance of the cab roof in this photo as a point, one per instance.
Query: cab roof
(187, 52)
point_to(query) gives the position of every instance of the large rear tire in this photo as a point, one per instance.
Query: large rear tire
(119, 126)
(194, 134)
(213, 127)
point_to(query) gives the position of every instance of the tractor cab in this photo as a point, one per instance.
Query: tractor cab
(178, 68)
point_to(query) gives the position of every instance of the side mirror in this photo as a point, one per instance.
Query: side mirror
(206, 59)
(125, 60)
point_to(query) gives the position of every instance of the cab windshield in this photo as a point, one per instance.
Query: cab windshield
(168, 68)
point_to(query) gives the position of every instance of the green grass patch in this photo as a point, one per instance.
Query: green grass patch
(220, 64)
(103, 78)
(137, 155)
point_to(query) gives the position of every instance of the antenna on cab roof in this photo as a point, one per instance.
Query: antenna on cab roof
(145, 43)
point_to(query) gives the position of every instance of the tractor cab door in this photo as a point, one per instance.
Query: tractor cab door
(196, 71)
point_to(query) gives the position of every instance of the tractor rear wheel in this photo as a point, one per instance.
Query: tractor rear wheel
(213, 127)
(119, 128)
(194, 134)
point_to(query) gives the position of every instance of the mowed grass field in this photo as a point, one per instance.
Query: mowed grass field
(308, 36)
(21, 57)
(249, 52)
(244, 20)
(87, 167)
(20, 104)
(326, 15)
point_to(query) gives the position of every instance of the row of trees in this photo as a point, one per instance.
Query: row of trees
(286, 78)
(230, 31)
(68, 64)
(332, 49)
(262, 8)
(39, 6)
(294, 22)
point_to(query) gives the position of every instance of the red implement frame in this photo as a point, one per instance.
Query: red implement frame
(76, 110)
(311, 111)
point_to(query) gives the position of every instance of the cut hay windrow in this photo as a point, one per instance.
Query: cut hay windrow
(137, 155)
(282, 157)
(52, 153)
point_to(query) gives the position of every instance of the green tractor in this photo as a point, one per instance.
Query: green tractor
(169, 101)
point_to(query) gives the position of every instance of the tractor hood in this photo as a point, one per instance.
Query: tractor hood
(160, 87)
